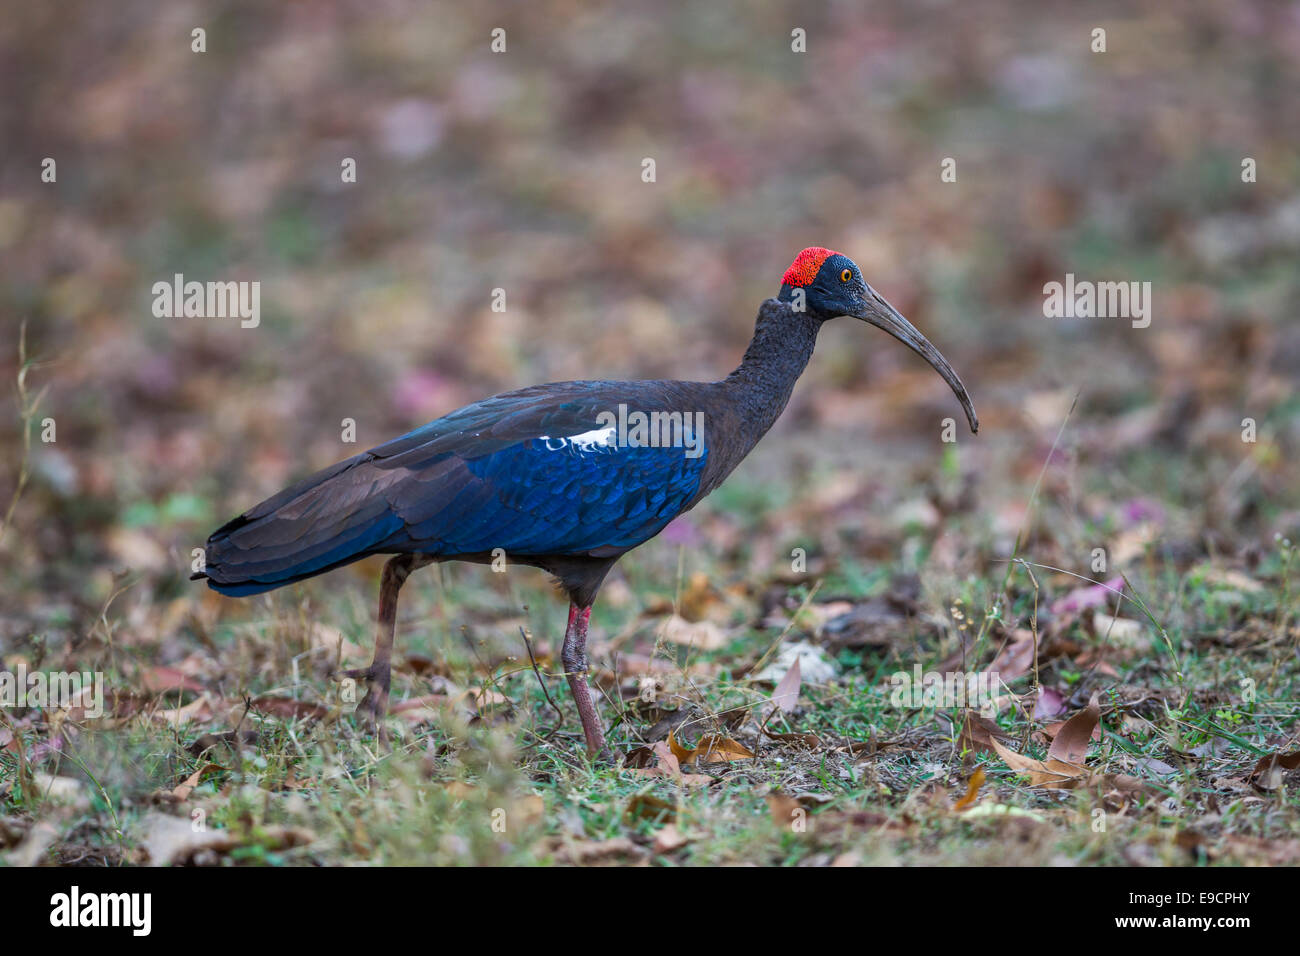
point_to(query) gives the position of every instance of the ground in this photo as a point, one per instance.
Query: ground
(1116, 545)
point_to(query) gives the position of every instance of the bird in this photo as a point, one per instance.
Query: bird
(566, 477)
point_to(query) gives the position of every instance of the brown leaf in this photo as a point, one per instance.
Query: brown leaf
(646, 806)
(1093, 595)
(1051, 730)
(163, 680)
(812, 741)
(668, 765)
(698, 635)
(620, 851)
(978, 733)
(1049, 703)
(202, 708)
(669, 839)
(639, 758)
(711, 748)
(169, 839)
(1017, 657)
(181, 792)
(1269, 769)
(784, 809)
(972, 790)
(786, 695)
(288, 708)
(1050, 774)
(1070, 745)
(682, 754)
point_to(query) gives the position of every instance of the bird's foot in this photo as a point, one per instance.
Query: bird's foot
(373, 708)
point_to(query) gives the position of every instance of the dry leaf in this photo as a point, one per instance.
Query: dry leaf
(162, 680)
(1070, 745)
(669, 838)
(202, 708)
(647, 806)
(786, 695)
(711, 748)
(668, 765)
(1051, 774)
(287, 708)
(972, 790)
(700, 635)
(169, 839)
(812, 741)
(1269, 770)
(181, 792)
(1075, 602)
(978, 733)
(1017, 657)
(620, 851)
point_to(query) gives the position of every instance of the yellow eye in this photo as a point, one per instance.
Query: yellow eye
(846, 275)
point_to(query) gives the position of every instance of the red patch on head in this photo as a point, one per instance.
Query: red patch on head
(806, 265)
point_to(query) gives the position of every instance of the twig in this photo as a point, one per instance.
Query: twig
(523, 632)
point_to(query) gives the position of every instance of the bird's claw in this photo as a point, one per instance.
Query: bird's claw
(373, 707)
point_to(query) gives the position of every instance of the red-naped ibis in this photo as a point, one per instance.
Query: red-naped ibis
(565, 477)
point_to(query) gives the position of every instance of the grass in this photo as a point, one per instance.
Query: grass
(1204, 684)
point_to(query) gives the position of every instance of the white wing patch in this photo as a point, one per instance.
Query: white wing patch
(585, 442)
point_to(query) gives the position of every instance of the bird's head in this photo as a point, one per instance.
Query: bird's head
(828, 284)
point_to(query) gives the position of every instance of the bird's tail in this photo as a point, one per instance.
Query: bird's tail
(323, 522)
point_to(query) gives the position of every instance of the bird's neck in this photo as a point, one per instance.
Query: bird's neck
(777, 355)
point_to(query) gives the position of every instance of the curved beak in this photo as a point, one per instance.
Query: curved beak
(884, 316)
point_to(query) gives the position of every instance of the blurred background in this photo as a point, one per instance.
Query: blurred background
(522, 171)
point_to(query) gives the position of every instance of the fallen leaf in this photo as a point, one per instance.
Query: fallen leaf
(1270, 768)
(1050, 703)
(978, 733)
(646, 806)
(289, 709)
(61, 790)
(1123, 630)
(1070, 745)
(162, 680)
(972, 790)
(786, 695)
(1094, 595)
(202, 708)
(711, 748)
(669, 839)
(1002, 810)
(1155, 766)
(700, 635)
(181, 792)
(169, 839)
(341, 650)
(620, 851)
(34, 845)
(668, 765)
(231, 737)
(1051, 774)
(812, 741)
(1016, 657)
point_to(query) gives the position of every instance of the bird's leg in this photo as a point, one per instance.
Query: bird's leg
(574, 658)
(379, 673)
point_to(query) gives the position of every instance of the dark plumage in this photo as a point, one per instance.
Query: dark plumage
(550, 475)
